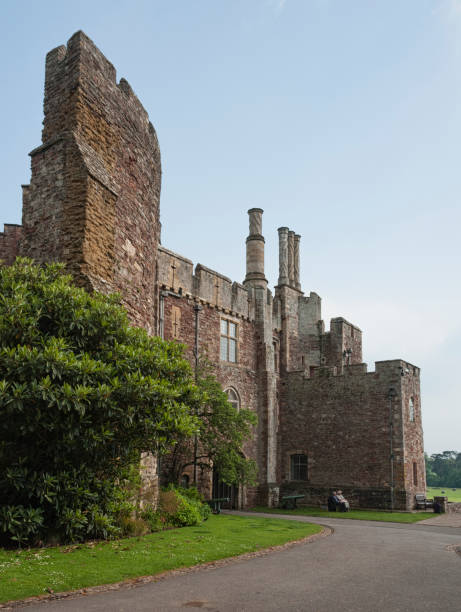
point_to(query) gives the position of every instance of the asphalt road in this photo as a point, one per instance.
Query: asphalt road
(362, 566)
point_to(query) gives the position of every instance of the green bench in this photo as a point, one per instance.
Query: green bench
(289, 502)
(215, 504)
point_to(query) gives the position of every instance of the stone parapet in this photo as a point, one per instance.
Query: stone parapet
(176, 273)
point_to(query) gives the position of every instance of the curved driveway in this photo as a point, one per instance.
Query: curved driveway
(362, 566)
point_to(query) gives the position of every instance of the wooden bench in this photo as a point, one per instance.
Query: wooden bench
(289, 501)
(422, 502)
(215, 504)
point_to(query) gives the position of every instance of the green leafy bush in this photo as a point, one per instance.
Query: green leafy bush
(20, 522)
(82, 395)
(195, 497)
(180, 509)
(222, 432)
(152, 518)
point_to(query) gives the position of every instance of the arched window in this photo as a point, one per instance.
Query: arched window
(298, 465)
(184, 481)
(411, 409)
(233, 398)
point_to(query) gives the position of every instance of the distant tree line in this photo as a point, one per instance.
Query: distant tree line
(443, 469)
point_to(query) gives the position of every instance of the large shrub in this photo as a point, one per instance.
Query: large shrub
(180, 507)
(82, 394)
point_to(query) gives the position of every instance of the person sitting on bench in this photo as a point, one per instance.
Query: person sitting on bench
(332, 502)
(343, 503)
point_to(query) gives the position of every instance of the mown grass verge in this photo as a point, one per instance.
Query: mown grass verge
(453, 495)
(38, 571)
(361, 515)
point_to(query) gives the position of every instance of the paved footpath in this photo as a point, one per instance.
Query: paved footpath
(449, 519)
(363, 566)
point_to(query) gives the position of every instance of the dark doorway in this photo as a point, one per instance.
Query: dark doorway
(220, 490)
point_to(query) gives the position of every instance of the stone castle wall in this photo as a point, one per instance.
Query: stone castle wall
(342, 423)
(9, 243)
(182, 288)
(93, 203)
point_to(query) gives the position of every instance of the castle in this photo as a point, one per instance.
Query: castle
(93, 202)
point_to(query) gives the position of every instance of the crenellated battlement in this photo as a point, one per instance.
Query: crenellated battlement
(177, 274)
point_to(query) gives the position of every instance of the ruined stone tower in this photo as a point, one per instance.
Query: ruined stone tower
(93, 200)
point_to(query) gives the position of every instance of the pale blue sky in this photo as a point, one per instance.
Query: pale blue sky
(340, 118)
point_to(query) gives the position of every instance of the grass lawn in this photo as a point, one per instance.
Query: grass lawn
(361, 515)
(453, 496)
(37, 571)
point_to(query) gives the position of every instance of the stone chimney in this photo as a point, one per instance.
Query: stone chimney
(283, 256)
(255, 250)
(289, 258)
(297, 283)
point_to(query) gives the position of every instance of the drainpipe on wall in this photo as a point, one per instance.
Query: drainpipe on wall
(197, 309)
(161, 318)
(391, 396)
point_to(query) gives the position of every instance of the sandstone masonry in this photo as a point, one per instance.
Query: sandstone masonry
(324, 421)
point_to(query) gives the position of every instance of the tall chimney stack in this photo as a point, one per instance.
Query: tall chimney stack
(283, 256)
(291, 258)
(297, 238)
(255, 250)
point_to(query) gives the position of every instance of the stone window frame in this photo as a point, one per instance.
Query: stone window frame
(236, 403)
(230, 340)
(415, 473)
(288, 473)
(412, 409)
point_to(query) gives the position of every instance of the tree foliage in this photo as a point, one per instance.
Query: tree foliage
(222, 433)
(82, 394)
(443, 469)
